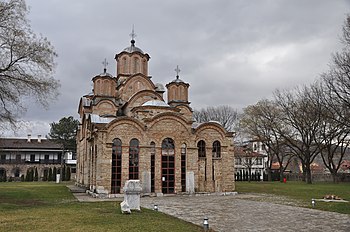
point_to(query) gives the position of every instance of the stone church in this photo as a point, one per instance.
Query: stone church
(128, 131)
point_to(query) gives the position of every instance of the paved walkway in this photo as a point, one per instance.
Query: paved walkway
(243, 212)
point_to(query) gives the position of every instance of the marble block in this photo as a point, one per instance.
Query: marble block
(132, 193)
(124, 207)
(190, 182)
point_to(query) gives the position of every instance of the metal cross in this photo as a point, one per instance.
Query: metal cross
(105, 63)
(132, 34)
(177, 70)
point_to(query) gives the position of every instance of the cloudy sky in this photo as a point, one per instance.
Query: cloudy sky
(232, 52)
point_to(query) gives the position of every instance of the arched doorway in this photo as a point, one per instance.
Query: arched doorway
(168, 166)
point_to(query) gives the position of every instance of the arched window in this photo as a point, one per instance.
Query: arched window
(201, 149)
(136, 65)
(168, 147)
(153, 158)
(116, 166)
(125, 65)
(216, 149)
(183, 167)
(144, 67)
(134, 159)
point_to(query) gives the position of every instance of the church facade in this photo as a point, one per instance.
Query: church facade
(128, 131)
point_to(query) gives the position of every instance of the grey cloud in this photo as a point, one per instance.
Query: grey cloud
(231, 52)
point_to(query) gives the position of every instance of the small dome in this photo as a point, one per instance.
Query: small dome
(155, 103)
(133, 48)
(178, 80)
(105, 74)
(159, 87)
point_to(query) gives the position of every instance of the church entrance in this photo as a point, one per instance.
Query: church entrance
(168, 166)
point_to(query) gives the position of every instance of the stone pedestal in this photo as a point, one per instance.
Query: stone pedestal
(146, 182)
(132, 191)
(190, 182)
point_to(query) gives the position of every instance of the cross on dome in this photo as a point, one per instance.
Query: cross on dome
(132, 35)
(177, 70)
(105, 63)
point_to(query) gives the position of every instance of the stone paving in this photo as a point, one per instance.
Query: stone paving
(243, 212)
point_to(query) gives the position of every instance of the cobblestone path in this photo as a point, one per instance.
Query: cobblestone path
(240, 213)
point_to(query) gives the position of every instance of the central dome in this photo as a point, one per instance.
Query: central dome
(133, 48)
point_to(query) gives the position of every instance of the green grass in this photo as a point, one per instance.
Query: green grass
(302, 193)
(40, 206)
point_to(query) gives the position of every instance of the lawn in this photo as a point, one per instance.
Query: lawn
(42, 206)
(303, 193)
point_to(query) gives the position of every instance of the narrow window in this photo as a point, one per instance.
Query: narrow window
(201, 149)
(168, 166)
(125, 65)
(216, 149)
(116, 166)
(153, 154)
(183, 167)
(136, 65)
(134, 159)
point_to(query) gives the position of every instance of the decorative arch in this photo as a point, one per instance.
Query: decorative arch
(169, 116)
(120, 122)
(213, 126)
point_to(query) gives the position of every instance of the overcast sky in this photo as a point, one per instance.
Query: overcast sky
(231, 52)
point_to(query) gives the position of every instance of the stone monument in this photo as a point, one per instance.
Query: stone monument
(132, 191)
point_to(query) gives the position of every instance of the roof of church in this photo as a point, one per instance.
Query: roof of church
(155, 103)
(178, 80)
(132, 48)
(105, 74)
(97, 119)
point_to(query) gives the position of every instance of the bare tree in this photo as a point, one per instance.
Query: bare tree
(334, 134)
(26, 62)
(225, 115)
(303, 118)
(262, 121)
(337, 79)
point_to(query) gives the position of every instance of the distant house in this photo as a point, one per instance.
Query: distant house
(18, 155)
(251, 157)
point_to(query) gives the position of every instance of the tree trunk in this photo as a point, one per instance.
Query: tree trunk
(249, 174)
(308, 177)
(269, 175)
(335, 176)
(281, 174)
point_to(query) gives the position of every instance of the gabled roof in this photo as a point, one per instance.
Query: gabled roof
(22, 143)
(244, 152)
